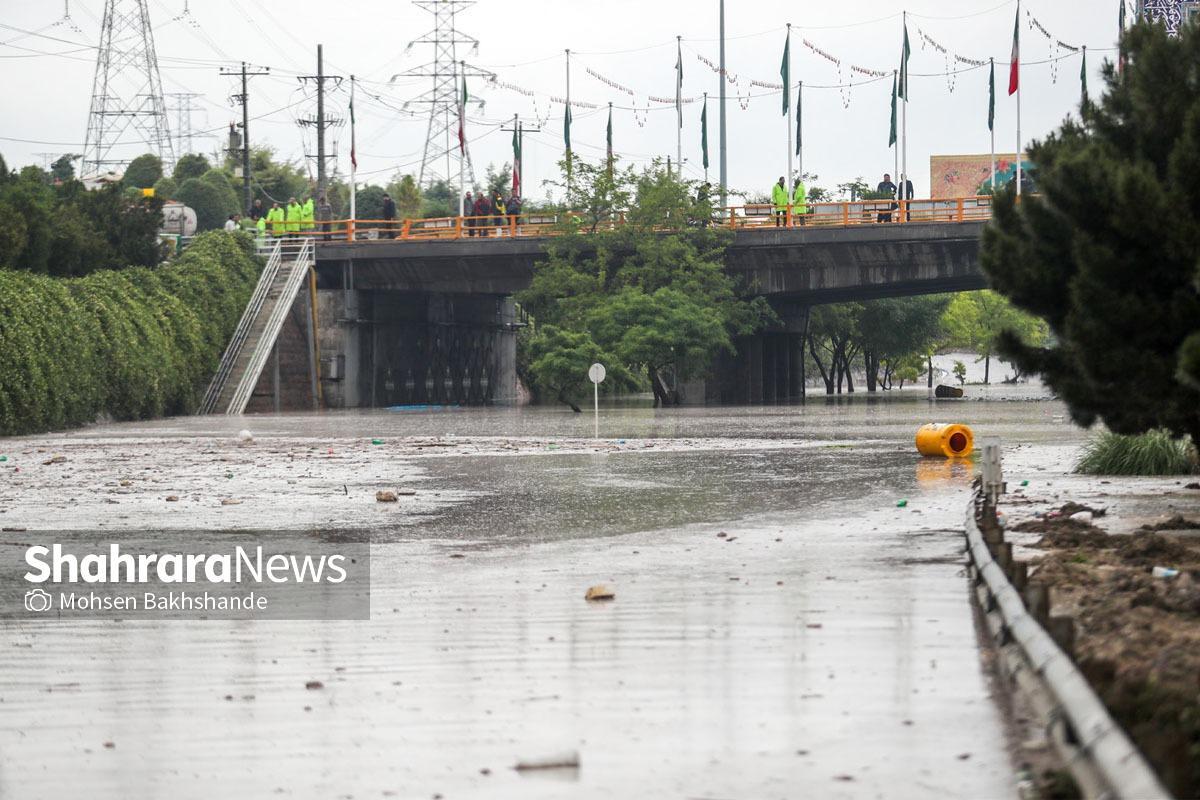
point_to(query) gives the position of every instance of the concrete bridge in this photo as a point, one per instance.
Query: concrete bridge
(420, 321)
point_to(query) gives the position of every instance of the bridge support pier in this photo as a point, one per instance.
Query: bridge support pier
(766, 368)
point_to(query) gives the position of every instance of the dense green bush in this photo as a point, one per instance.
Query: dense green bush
(1155, 452)
(131, 344)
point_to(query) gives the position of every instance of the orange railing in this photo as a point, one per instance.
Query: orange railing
(763, 217)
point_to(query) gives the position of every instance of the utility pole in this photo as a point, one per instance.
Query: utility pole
(321, 122)
(244, 99)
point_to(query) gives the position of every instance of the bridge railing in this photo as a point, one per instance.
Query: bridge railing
(751, 216)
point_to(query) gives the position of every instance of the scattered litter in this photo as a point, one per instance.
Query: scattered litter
(1082, 516)
(384, 496)
(722, 535)
(567, 760)
(458, 555)
(228, 474)
(1189, 486)
(5, 458)
(229, 501)
(901, 504)
(172, 498)
(600, 592)
(731, 538)
(814, 625)
(110, 745)
(12, 530)
(127, 483)
(55, 460)
(1164, 572)
(314, 685)
(1024, 483)
(377, 441)
(406, 492)
(245, 437)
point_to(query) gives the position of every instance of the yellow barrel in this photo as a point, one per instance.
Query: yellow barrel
(950, 441)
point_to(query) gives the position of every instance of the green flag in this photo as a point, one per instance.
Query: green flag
(785, 71)
(609, 138)
(905, 52)
(704, 131)
(992, 95)
(1083, 78)
(567, 126)
(892, 135)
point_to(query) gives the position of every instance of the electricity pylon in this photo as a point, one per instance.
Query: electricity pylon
(127, 108)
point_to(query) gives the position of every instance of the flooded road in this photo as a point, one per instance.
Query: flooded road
(780, 629)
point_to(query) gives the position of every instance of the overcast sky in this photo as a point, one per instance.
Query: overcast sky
(47, 82)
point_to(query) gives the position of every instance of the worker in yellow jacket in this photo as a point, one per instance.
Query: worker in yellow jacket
(295, 213)
(307, 209)
(276, 218)
(780, 198)
(799, 201)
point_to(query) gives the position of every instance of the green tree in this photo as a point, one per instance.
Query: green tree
(212, 205)
(652, 295)
(894, 330)
(166, 188)
(1107, 253)
(440, 199)
(63, 168)
(960, 372)
(498, 180)
(559, 361)
(976, 320)
(192, 165)
(407, 196)
(143, 171)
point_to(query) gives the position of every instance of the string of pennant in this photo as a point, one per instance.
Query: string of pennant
(609, 82)
(1057, 46)
(948, 57)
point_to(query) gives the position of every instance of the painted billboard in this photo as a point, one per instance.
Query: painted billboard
(970, 175)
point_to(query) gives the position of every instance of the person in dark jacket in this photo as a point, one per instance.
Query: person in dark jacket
(389, 217)
(257, 211)
(469, 212)
(886, 186)
(483, 210)
(905, 192)
(513, 209)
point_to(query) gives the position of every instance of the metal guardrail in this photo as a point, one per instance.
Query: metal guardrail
(1095, 749)
(229, 358)
(300, 264)
(753, 216)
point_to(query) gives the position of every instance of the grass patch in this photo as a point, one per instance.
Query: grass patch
(1151, 453)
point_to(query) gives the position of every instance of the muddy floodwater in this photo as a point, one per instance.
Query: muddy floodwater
(781, 628)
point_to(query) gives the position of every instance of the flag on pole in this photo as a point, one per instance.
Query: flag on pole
(679, 82)
(785, 71)
(799, 117)
(516, 170)
(905, 52)
(992, 96)
(704, 131)
(609, 139)
(892, 135)
(353, 149)
(1120, 37)
(462, 118)
(1014, 66)
(1083, 78)
(567, 126)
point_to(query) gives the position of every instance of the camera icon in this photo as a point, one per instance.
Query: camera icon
(38, 600)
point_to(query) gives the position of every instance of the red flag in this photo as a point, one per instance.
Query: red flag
(1014, 67)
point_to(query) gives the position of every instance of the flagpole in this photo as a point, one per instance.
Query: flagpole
(787, 91)
(353, 158)
(724, 163)
(991, 122)
(704, 134)
(1018, 99)
(903, 189)
(462, 123)
(568, 111)
(896, 145)
(679, 106)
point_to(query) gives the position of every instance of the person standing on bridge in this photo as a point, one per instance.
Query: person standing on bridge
(276, 216)
(513, 209)
(779, 196)
(799, 200)
(389, 216)
(294, 213)
(483, 209)
(307, 214)
(469, 211)
(906, 193)
(886, 187)
(498, 205)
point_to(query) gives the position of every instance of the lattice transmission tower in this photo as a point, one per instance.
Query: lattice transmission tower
(442, 156)
(127, 97)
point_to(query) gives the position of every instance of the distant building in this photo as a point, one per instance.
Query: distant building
(971, 175)
(1171, 13)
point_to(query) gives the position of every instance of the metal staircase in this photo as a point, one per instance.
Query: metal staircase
(254, 338)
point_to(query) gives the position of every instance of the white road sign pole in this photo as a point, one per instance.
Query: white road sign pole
(596, 374)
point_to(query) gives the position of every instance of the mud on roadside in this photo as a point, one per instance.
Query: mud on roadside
(1135, 597)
